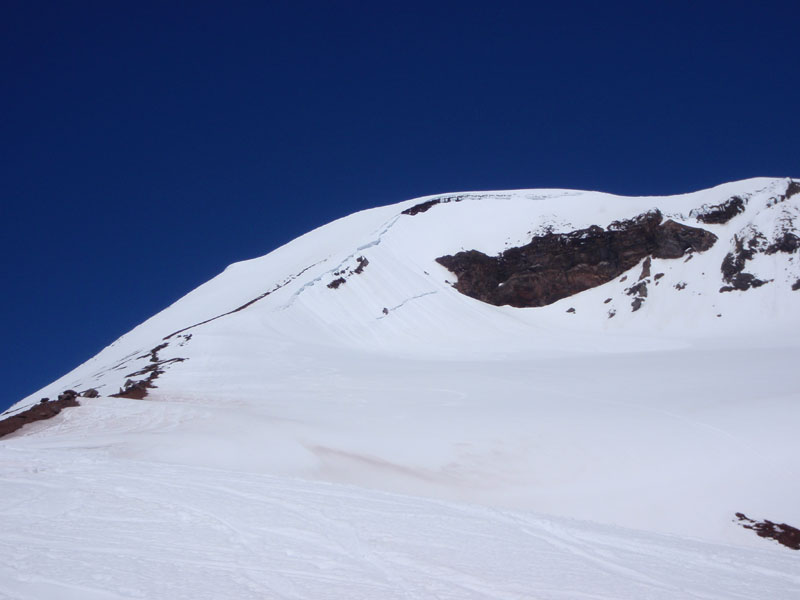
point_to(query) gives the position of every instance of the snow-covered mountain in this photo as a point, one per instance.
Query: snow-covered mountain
(388, 406)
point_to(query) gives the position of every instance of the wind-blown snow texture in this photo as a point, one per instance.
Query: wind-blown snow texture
(391, 437)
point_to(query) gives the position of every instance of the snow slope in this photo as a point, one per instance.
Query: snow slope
(80, 527)
(392, 437)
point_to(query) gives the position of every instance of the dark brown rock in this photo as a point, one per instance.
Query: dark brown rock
(780, 532)
(792, 189)
(336, 283)
(428, 204)
(719, 214)
(640, 289)
(136, 389)
(45, 409)
(743, 282)
(672, 240)
(646, 268)
(555, 266)
(67, 396)
(154, 352)
(362, 263)
(734, 263)
(787, 242)
(421, 207)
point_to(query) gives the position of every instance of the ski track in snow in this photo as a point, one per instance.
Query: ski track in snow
(128, 529)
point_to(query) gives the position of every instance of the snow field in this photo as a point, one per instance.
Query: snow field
(78, 526)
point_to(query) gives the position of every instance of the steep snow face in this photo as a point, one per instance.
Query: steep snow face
(287, 293)
(348, 356)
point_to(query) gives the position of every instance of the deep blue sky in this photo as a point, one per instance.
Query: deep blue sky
(146, 146)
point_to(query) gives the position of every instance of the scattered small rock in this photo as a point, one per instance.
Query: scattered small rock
(362, 262)
(607, 300)
(137, 389)
(571, 310)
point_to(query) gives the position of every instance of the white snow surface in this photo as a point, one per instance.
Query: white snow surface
(315, 445)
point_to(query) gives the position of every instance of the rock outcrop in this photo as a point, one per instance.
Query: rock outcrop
(780, 532)
(746, 245)
(719, 214)
(46, 409)
(342, 275)
(428, 204)
(557, 265)
(136, 389)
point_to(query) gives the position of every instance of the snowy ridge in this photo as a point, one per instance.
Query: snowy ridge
(360, 399)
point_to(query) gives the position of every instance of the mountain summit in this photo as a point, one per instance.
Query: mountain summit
(626, 361)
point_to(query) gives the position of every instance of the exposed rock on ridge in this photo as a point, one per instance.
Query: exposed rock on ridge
(428, 204)
(719, 214)
(46, 409)
(750, 241)
(734, 263)
(558, 265)
(343, 274)
(136, 389)
(780, 532)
